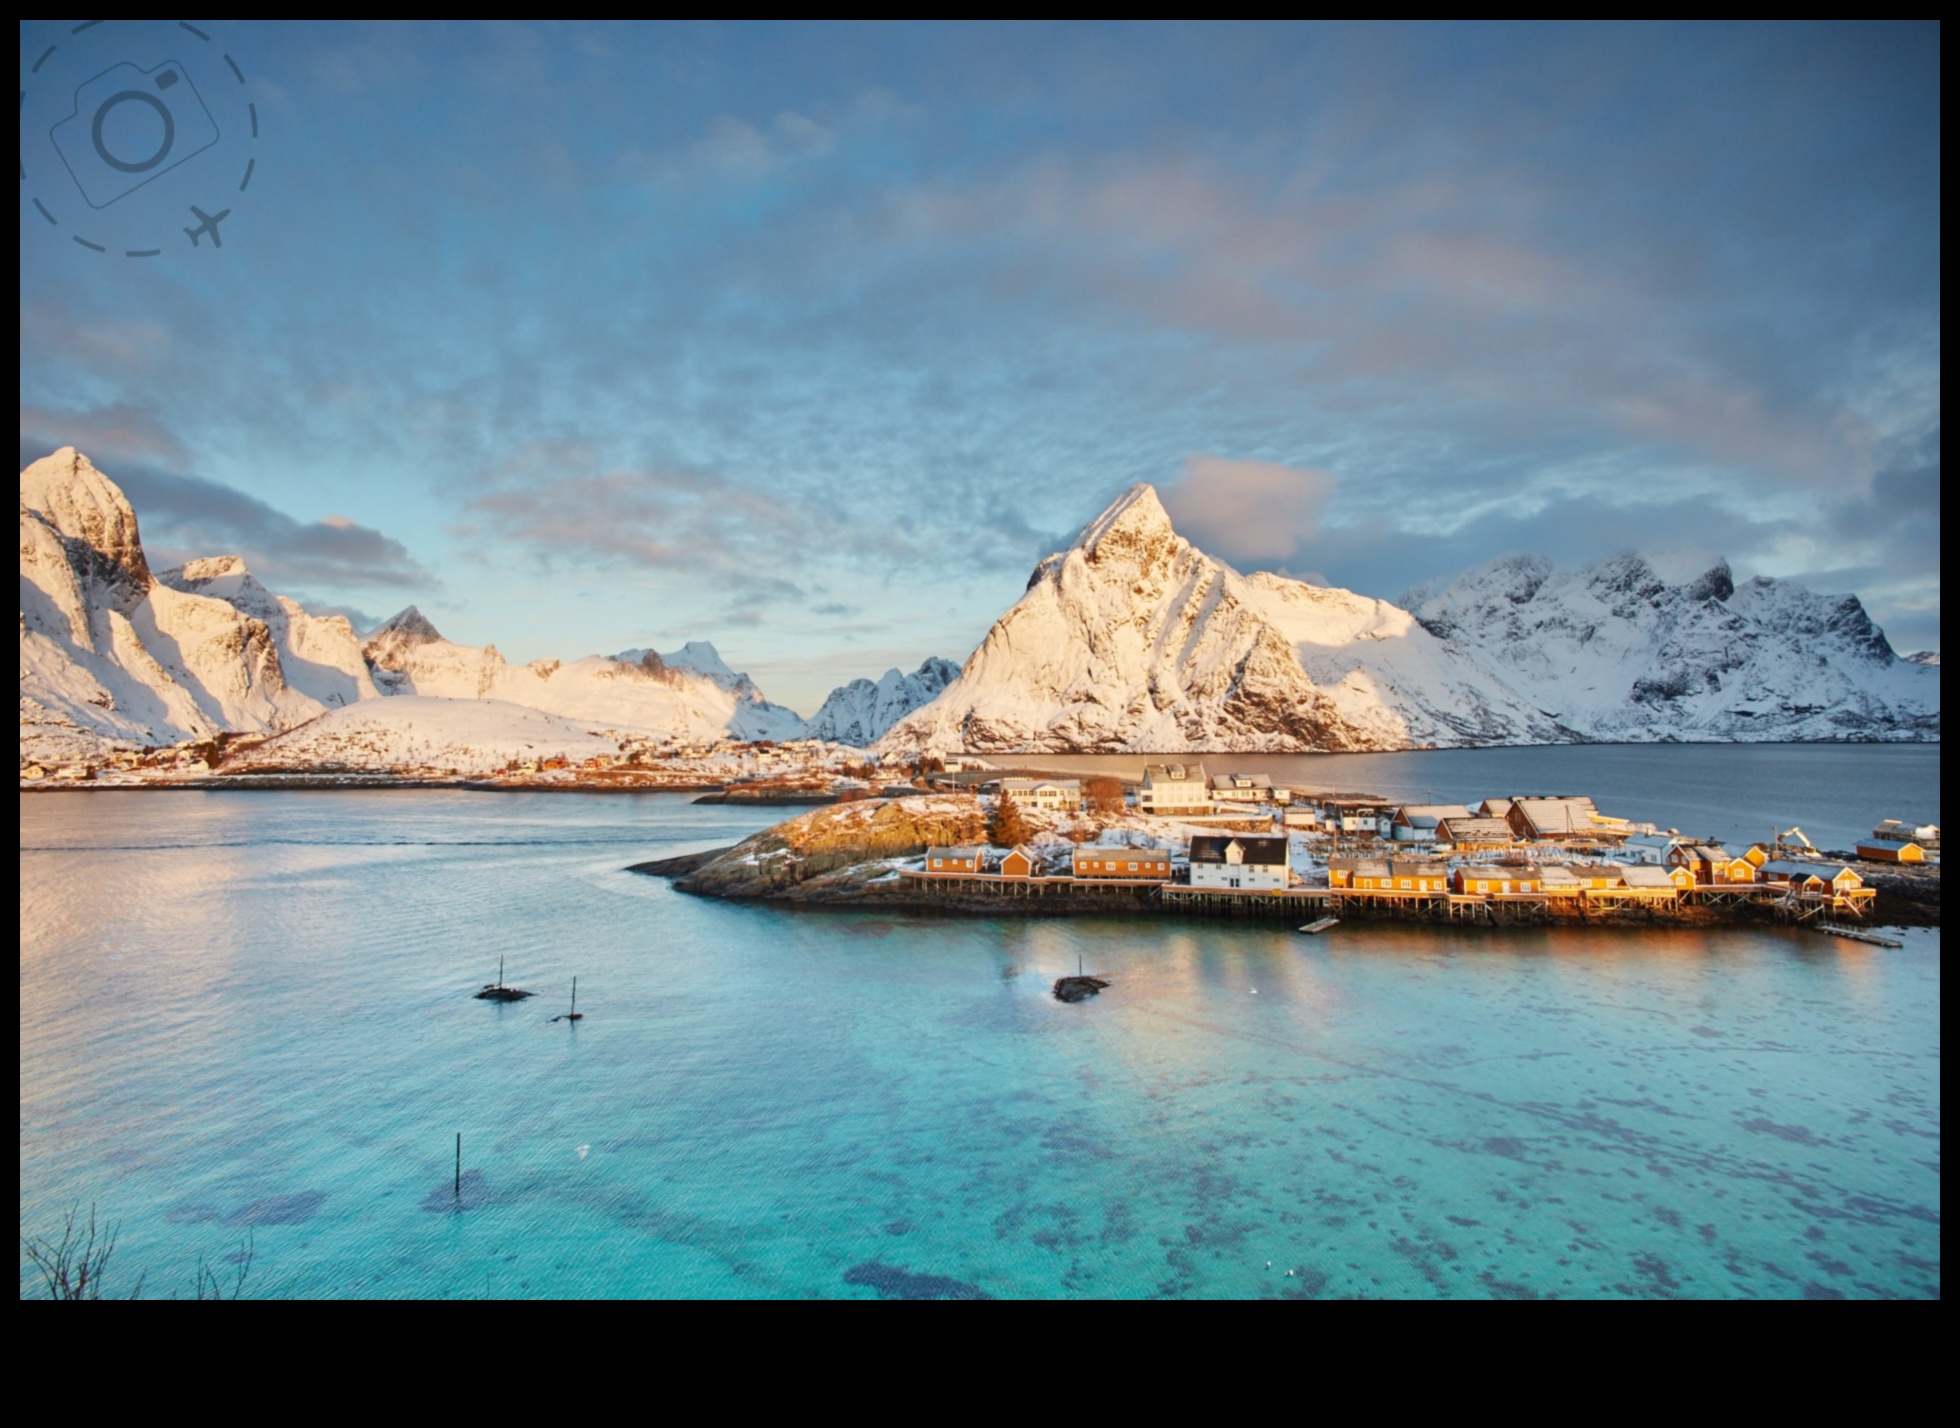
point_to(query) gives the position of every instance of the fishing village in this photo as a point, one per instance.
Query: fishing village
(968, 837)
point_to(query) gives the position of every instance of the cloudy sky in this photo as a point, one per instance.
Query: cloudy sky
(812, 340)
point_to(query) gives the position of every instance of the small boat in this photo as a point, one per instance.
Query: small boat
(497, 992)
(1320, 925)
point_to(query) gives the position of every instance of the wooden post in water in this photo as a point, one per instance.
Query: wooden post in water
(459, 1159)
(574, 1008)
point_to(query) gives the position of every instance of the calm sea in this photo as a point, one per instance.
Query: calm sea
(245, 1019)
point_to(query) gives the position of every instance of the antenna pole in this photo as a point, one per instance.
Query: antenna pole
(459, 1165)
(574, 994)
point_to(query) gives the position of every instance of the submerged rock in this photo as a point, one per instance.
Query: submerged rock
(891, 1282)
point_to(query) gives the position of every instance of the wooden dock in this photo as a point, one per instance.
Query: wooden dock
(1856, 934)
(1320, 925)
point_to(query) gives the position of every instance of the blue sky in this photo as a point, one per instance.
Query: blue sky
(811, 340)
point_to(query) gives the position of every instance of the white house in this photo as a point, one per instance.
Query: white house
(1242, 861)
(1242, 788)
(1174, 789)
(1055, 794)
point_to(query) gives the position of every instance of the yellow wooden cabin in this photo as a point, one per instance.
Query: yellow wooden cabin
(1358, 873)
(1712, 864)
(1497, 879)
(1816, 879)
(1598, 877)
(1420, 875)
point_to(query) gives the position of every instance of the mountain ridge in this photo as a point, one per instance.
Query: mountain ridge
(1130, 639)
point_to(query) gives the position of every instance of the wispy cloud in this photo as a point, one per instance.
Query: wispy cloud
(183, 517)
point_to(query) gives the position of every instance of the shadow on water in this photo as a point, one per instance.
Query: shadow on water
(893, 1283)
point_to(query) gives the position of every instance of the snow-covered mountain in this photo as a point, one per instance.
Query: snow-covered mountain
(110, 654)
(1130, 640)
(690, 694)
(319, 654)
(1134, 640)
(1926, 657)
(861, 712)
(113, 655)
(1624, 649)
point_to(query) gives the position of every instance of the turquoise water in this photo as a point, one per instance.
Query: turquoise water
(246, 1015)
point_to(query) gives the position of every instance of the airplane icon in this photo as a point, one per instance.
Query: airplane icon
(207, 224)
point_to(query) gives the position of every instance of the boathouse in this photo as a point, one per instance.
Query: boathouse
(945, 861)
(1019, 862)
(1422, 875)
(1712, 864)
(1808, 877)
(1559, 881)
(1890, 850)
(1645, 882)
(1091, 861)
(1247, 862)
(1552, 818)
(1496, 879)
(1474, 834)
(1599, 877)
(1350, 872)
(1419, 822)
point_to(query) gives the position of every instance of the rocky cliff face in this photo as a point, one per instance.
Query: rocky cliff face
(319, 655)
(1626, 650)
(1133, 640)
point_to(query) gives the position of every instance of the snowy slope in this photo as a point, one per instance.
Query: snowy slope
(108, 649)
(320, 654)
(468, 736)
(861, 712)
(1627, 649)
(1382, 669)
(689, 695)
(1133, 640)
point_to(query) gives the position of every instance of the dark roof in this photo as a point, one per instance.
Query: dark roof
(1210, 847)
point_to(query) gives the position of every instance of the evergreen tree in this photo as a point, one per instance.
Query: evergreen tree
(1006, 826)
